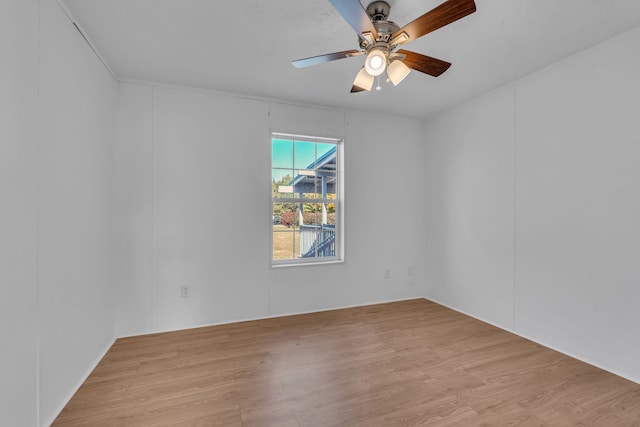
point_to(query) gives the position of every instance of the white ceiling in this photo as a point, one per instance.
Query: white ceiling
(246, 46)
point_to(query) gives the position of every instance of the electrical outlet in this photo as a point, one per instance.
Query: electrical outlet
(387, 273)
(185, 292)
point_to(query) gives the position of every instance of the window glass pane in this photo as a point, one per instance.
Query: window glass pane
(281, 180)
(318, 215)
(317, 234)
(332, 210)
(323, 149)
(285, 231)
(304, 154)
(305, 186)
(298, 186)
(285, 244)
(288, 215)
(304, 171)
(282, 153)
(310, 214)
(326, 168)
(332, 184)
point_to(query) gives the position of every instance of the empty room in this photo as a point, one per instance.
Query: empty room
(319, 213)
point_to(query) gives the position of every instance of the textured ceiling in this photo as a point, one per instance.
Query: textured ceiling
(246, 46)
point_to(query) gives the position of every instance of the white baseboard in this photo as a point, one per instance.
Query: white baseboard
(542, 343)
(250, 319)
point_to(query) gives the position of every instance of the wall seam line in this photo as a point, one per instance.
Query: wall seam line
(153, 208)
(515, 195)
(117, 286)
(37, 215)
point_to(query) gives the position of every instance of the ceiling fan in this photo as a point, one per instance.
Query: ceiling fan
(379, 40)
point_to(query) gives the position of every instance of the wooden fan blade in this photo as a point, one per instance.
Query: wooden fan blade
(423, 63)
(320, 59)
(353, 12)
(448, 12)
(356, 89)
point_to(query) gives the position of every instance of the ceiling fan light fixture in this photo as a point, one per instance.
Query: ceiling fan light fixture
(364, 80)
(397, 71)
(376, 62)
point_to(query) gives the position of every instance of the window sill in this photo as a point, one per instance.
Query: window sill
(305, 264)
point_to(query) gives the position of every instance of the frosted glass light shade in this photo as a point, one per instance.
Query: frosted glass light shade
(363, 80)
(397, 72)
(376, 62)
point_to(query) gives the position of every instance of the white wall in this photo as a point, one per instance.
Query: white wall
(76, 226)
(194, 209)
(469, 169)
(566, 140)
(57, 221)
(134, 181)
(578, 204)
(18, 136)
(207, 163)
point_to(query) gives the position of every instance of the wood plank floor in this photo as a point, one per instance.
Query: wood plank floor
(412, 363)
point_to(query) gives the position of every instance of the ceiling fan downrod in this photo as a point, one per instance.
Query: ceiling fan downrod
(378, 10)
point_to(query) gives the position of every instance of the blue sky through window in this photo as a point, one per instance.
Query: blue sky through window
(288, 156)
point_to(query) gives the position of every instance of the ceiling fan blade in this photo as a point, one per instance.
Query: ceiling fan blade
(423, 63)
(353, 12)
(320, 59)
(448, 12)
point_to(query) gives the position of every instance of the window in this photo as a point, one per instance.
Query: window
(305, 199)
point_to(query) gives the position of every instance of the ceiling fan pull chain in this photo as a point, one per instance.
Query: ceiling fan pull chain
(378, 87)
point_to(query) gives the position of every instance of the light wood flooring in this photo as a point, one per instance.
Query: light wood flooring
(411, 363)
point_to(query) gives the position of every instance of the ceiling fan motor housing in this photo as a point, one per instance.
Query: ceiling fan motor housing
(378, 11)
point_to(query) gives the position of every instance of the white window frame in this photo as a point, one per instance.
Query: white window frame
(339, 203)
